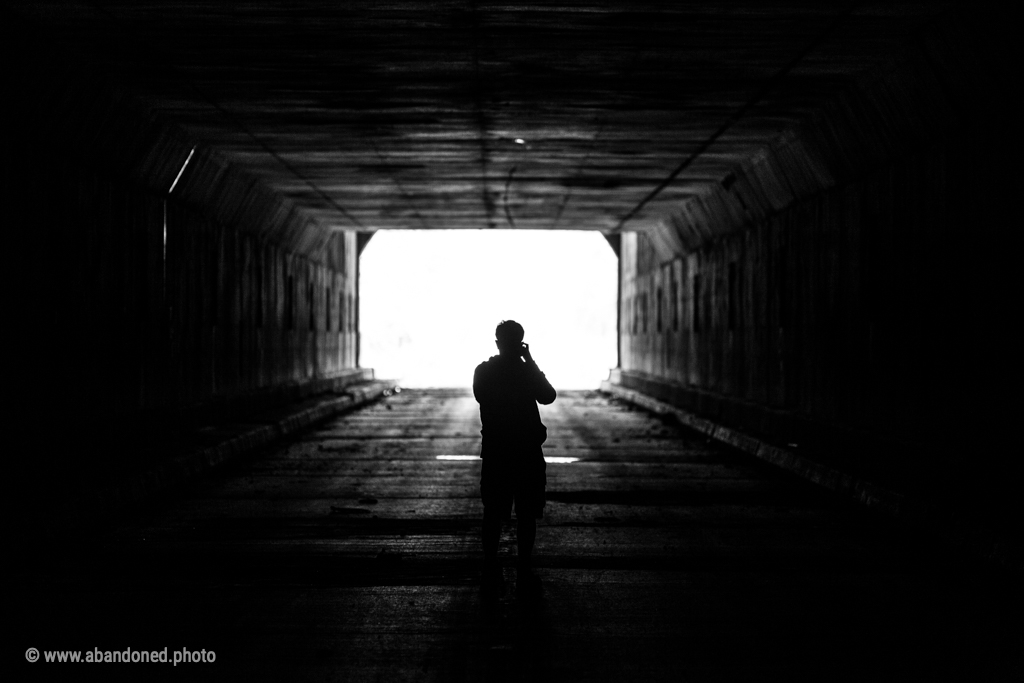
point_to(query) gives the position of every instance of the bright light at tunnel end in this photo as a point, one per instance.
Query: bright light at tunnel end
(430, 300)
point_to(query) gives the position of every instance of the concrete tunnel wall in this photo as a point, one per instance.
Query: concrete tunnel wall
(222, 315)
(248, 304)
(847, 290)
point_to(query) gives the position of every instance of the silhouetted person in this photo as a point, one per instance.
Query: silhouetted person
(508, 387)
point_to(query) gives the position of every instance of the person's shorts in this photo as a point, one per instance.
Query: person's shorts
(517, 479)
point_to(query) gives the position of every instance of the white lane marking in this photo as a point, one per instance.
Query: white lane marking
(552, 459)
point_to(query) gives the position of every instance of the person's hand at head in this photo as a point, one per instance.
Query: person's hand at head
(525, 352)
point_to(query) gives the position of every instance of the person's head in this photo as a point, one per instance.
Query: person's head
(509, 337)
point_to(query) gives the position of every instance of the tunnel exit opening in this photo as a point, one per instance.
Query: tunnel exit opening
(430, 300)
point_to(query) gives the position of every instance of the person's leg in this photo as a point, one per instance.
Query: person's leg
(497, 501)
(526, 533)
(529, 506)
(528, 585)
(491, 534)
(491, 581)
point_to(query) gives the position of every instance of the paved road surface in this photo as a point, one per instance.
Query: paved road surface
(352, 554)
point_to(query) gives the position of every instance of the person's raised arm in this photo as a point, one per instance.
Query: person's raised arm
(543, 392)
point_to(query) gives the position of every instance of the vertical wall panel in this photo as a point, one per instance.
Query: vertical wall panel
(861, 309)
(134, 331)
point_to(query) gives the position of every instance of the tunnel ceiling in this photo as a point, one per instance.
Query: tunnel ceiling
(371, 115)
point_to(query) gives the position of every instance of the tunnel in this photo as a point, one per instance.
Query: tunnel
(800, 466)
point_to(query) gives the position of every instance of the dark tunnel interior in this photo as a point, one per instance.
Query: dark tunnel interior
(801, 465)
